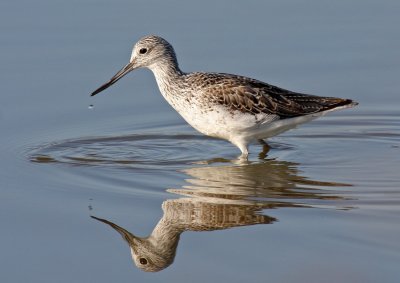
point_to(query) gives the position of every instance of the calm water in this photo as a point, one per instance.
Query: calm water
(322, 205)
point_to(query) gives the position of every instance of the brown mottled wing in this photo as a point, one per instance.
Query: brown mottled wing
(253, 96)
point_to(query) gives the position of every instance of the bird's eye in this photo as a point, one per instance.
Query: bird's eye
(143, 261)
(143, 50)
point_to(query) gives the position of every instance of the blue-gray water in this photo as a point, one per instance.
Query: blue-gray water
(321, 206)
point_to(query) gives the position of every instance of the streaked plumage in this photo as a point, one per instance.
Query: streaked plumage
(235, 108)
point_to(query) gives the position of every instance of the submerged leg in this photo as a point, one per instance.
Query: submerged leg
(262, 142)
(245, 152)
(242, 145)
(266, 149)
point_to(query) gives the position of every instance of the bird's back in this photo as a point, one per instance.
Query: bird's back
(254, 97)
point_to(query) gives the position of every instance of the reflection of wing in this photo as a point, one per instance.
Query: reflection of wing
(221, 198)
(258, 182)
(158, 250)
(209, 214)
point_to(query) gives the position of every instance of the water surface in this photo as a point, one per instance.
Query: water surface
(321, 205)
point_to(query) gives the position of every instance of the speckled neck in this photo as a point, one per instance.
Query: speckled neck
(168, 75)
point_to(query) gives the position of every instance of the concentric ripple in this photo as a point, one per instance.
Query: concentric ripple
(133, 151)
(161, 151)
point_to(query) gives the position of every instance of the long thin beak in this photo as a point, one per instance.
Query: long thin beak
(129, 67)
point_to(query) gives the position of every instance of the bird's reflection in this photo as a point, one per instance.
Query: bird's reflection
(222, 197)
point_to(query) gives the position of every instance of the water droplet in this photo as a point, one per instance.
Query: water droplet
(91, 106)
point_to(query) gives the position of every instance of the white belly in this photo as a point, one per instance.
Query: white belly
(221, 123)
(236, 126)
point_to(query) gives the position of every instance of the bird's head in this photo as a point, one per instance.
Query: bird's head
(147, 254)
(149, 52)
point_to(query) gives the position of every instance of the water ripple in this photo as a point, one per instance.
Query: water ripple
(155, 151)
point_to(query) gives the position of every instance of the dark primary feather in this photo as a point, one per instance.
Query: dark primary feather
(253, 96)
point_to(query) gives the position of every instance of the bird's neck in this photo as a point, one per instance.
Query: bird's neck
(167, 74)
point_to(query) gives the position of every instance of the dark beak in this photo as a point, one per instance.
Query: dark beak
(129, 67)
(128, 237)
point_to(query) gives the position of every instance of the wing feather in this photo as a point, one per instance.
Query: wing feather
(252, 96)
